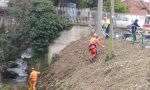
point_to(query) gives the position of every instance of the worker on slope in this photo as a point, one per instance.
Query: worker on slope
(94, 41)
(33, 79)
(107, 27)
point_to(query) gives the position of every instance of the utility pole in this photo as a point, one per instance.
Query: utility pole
(110, 48)
(99, 20)
(149, 6)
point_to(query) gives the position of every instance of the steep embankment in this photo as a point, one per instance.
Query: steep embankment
(128, 70)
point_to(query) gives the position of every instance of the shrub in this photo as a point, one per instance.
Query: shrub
(45, 26)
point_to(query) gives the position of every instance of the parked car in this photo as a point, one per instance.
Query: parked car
(122, 22)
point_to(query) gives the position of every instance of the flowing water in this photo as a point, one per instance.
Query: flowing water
(21, 68)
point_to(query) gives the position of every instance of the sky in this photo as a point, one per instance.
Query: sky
(147, 0)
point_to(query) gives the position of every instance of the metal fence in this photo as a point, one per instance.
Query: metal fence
(89, 17)
(77, 16)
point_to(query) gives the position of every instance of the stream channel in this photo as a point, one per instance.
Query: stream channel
(19, 72)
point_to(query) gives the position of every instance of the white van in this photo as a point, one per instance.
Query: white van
(122, 22)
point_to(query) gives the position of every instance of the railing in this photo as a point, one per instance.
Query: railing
(77, 16)
(89, 17)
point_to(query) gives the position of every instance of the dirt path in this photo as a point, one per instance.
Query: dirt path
(128, 70)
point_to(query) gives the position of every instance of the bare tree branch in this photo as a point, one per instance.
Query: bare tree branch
(143, 6)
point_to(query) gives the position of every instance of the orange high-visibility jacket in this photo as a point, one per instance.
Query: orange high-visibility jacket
(34, 75)
(95, 41)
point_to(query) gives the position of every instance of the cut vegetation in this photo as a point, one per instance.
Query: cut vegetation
(128, 70)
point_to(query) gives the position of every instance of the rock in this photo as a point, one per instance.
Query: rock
(11, 64)
(27, 54)
(9, 74)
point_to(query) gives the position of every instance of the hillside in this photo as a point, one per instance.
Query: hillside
(128, 70)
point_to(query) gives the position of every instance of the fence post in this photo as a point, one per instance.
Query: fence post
(142, 41)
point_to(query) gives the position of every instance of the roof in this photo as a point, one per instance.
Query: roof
(136, 7)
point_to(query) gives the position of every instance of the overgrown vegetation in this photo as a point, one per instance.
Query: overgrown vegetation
(8, 45)
(15, 40)
(36, 26)
(84, 3)
(45, 26)
(119, 6)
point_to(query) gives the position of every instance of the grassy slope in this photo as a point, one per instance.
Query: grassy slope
(127, 71)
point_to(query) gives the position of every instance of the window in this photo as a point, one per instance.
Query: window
(125, 19)
(147, 20)
(118, 18)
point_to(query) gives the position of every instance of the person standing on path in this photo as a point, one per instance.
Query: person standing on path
(33, 79)
(107, 27)
(134, 28)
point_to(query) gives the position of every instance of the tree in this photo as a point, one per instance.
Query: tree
(80, 3)
(143, 7)
(18, 10)
(45, 26)
(15, 40)
(119, 6)
(110, 48)
(84, 3)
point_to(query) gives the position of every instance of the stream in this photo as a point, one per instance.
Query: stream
(18, 69)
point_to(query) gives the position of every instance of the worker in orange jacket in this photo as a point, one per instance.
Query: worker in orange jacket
(94, 41)
(33, 79)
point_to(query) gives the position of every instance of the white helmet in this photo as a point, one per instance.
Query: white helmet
(94, 35)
